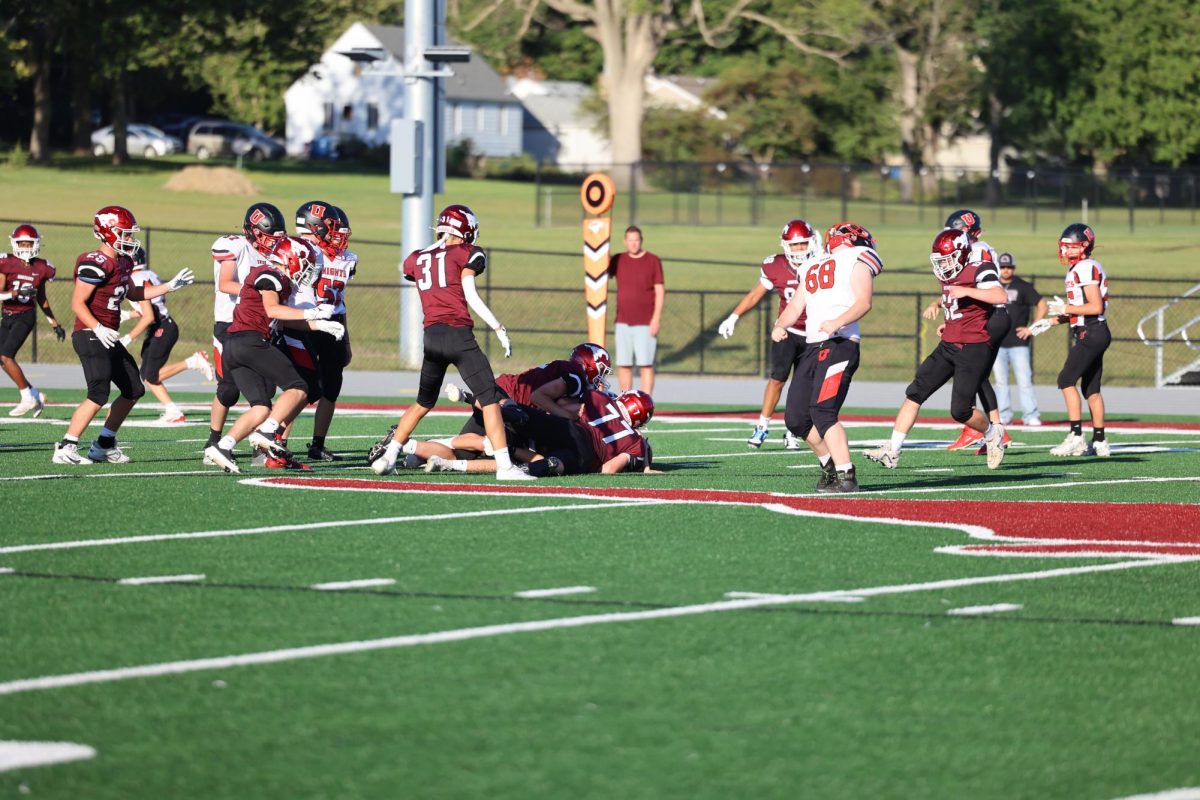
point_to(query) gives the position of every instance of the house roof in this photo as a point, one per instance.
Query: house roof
(473, 80)
(554, 103)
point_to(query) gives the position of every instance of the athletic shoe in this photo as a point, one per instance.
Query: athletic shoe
(1004, 442)
(458, 394)
(790, 442)
(271, 462)
(1073, 445)
(758, 437)
(884, 456)
(1101, 449)
(221, 458)
(513, 474)
(968, 437)
(268, 444)
(168, 418)
(112, 455)
(995, 447)
(1032, 422)
(199, 362)
(436, 464)
(383, 466)
(829, 478)
(25, 406)
(846, 482)
(380, 446)
(321, 454)
(68, 454)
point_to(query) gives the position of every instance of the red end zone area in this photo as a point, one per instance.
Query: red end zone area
(1012, 528)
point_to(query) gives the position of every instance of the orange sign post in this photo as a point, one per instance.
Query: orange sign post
(597, 195)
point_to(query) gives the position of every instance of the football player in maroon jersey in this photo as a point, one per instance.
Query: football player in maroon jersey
(969, 291)
(23, 277)
(800, 242)
(445, 276)
(102, 282)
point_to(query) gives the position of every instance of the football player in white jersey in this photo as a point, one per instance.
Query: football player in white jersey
(835, 292)
(233, 257)
(800, 242)
(161, 332)
(1084, 308)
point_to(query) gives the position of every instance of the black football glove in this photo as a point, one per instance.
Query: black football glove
(60, 332)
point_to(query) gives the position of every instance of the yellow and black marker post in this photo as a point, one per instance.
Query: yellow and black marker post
(597, 195)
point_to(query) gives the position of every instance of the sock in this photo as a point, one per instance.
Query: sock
(898, 440)
(1077, 427)
(992, 432)
(107, 438)
(456, 465)
(1097, 434)
(844, 468)
(764, 422)
(318, 441)
(214, 436)
(226, 443)
(393, 450)
(27, 393)
(69, 439)
(269, 427)
(825, 459)
(410, 447)
(503, 460)
(174, 410)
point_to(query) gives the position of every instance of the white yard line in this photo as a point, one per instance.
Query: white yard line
(19, 755)
(972, 611)
(84, 472)
(465, 634)
(1185, 793)
(1186, 621)
(152, 579)
(751, 595)
(565, 590)
(365, 583)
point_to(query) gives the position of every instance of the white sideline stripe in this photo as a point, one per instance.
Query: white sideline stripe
(1186, 621)
(82, 474)
(152, 579)
(465, 634)
(1185, 793)
(6, 570)
(555, 592)
(937, 469)
(1020, 486)
(18, 755)
(309, 526)
(970, 611)
(751, 595)
(336, 586)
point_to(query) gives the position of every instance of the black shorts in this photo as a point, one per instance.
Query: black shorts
(226, 388)
(257, 367)
(446, 345)
(299, 351)
(785, 356)
(820, 384)
(104, 367)
(562, 438)
(331, 356)
(156, 348)
(967, 364)
(14, 330)
(1085, 359)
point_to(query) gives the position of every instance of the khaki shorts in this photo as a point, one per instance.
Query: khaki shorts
(634, 343)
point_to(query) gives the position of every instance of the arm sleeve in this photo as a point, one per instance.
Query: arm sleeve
(91, 273)
(267, 282)
(476, 302)
(872, 261)
(987, 277)
(477, 261)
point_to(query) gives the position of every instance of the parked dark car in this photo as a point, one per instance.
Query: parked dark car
(210, 138)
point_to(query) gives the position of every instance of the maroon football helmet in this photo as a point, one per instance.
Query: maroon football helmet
(950, 252)
(1075, 244)
(460, 221)
(635, 406)
(849, 234)
(26, 242)
(595, 363)
(799, 232)
(116, 227)
(300, 259)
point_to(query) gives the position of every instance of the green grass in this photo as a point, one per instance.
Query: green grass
(1087, 691)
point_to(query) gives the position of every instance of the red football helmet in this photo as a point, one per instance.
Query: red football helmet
(26, 242)
(799, 232)
(951, 249)
(300, 259)
(595, 363)
(635, 406)
(849, 234)
(115, 226)
(1075, 244)
(460, 221)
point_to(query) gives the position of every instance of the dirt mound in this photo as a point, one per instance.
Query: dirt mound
(212, 180)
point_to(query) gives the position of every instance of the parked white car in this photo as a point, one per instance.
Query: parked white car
(142, 140)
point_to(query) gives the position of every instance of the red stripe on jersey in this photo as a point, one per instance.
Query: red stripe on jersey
(832, 382)
(300, 357)
(872, 261)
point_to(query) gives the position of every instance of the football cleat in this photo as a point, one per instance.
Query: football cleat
(758, 437)
(272, 462)
(113, 455)
(199, 361)
(221, 458)
(968, 437)
(68, 454)
(268, 444)
(1031, 422)
(829, 478)
(321, 454)
(436, 464)
(1073, 445)
(513, 474)
(846, 482)
(884, 456)
(379, 447)
(458, 394)
(790, 442)
(995, 447)
(36, 405)
(383, 465)
(1101, 449)
(1005, 442)
(167, 418)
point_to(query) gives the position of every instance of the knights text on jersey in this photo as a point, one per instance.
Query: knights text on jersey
(1086, 273)
(335, 274)
(146, 277)
(521, 387)
(245, 257)
(19, 274)
(826, 283)
(966, 317)
(611, 435)
(779, 275)
(250, 314)
(437, 271)
(110, 275)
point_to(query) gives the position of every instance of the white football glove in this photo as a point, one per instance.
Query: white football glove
(320, 312)
(1056, 307)
(1041, 326)
(184, 277)
(106, 336)
(726, 327)
(335, 329)
(126, 340)
(505, 342)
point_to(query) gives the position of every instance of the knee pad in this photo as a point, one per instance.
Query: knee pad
(913, 392)
(823, 419)
(331, 387)
(797, 424)
(961, 413)
(150, 375)
(1065, 381)
(227, 394)
(488, 396)
(98, 391)
(137, 391)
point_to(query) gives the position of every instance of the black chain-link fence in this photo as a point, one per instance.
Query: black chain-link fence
(546, 320)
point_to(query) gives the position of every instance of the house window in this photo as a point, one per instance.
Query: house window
(372, 116)
(480, 120)
(458, 119)
(328, 126)
(347, 113)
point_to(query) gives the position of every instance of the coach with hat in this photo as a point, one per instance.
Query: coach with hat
(1015, 348)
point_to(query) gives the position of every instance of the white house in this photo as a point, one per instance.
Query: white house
(557, 129)
(338, 98)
